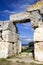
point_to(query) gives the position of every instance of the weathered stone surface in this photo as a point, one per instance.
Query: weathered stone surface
(36, 6)
(1, 25)
(5, 49)
(35, 16)
(17, 35)
(41, 10)
(38, 51)
(9, 36)
(9, 26)
(0, 34)
(38, 34)
(40, 24)
(0, 39)
(21, 17)
(34, 24)
(14, 48)
(19, 46)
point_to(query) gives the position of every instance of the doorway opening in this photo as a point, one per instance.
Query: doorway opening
(26, 33)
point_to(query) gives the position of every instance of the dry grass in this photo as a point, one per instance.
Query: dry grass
(6, 62)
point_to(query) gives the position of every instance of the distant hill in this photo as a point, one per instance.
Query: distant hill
(24, 44)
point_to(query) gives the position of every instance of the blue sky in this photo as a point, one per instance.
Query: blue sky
(8, 7)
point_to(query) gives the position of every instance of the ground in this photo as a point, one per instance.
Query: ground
(24, 58)
(21, 59)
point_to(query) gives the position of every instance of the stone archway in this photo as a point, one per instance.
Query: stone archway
(9, 36)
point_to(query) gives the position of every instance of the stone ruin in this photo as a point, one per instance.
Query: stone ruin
(9, 40)
(10, 43)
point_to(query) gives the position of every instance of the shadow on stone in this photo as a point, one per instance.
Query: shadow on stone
(31, 48)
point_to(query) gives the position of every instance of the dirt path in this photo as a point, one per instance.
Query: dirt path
(25, 59)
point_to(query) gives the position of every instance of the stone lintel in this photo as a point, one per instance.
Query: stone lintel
(21, 17)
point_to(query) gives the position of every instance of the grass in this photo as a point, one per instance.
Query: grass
(4, 62)
(32, 63)
(23, 63)
(26, 49)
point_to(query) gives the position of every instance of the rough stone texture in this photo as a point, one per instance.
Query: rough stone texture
(14, 48)
(40, 24)
(17, 36)
(38, 34)
(5, 49)
(19, 46)
(36, 6)
(0, 34)
(34, 24)
(0, 39)
(21, 17)
(35, 16)
(1, 25)
(9, 26)
(41, 10)
(38, 45)
(38, 51)
(9, 36)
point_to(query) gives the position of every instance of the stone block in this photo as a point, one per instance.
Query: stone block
(41, 10)
(9, 36)
(9, 26)
(5, 49)
(1, 25)
(0, 39)
(17, 35)
(38, 34)
(40, 24)
(14, 48)
(19, 46)
(20, 17)
(0, 34)
(34, 24)
(38, 51)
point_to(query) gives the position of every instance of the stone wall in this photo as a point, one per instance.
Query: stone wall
(38, 45)
(9, 40)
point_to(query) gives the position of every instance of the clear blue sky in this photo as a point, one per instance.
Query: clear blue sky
(8, 7)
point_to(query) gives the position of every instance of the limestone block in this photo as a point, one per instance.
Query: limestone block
(38, 51)
(34, 24)
(1, 25)
(41, 10)
(19, 18)
(40, 23)
(35, 7)
(19, 46)
(17, 35)
(38, 34)
(9, 26)
(0, 39)
(0, 34)
(9, 36)
(14, 48)
(35, 16)
(5, 49)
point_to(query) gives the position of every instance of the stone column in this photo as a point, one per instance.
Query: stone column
(38, 42)
(8, 39)
(17, 45)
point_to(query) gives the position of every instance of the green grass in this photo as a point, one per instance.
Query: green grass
(26, 49)
(4, 62)
(32, 63)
